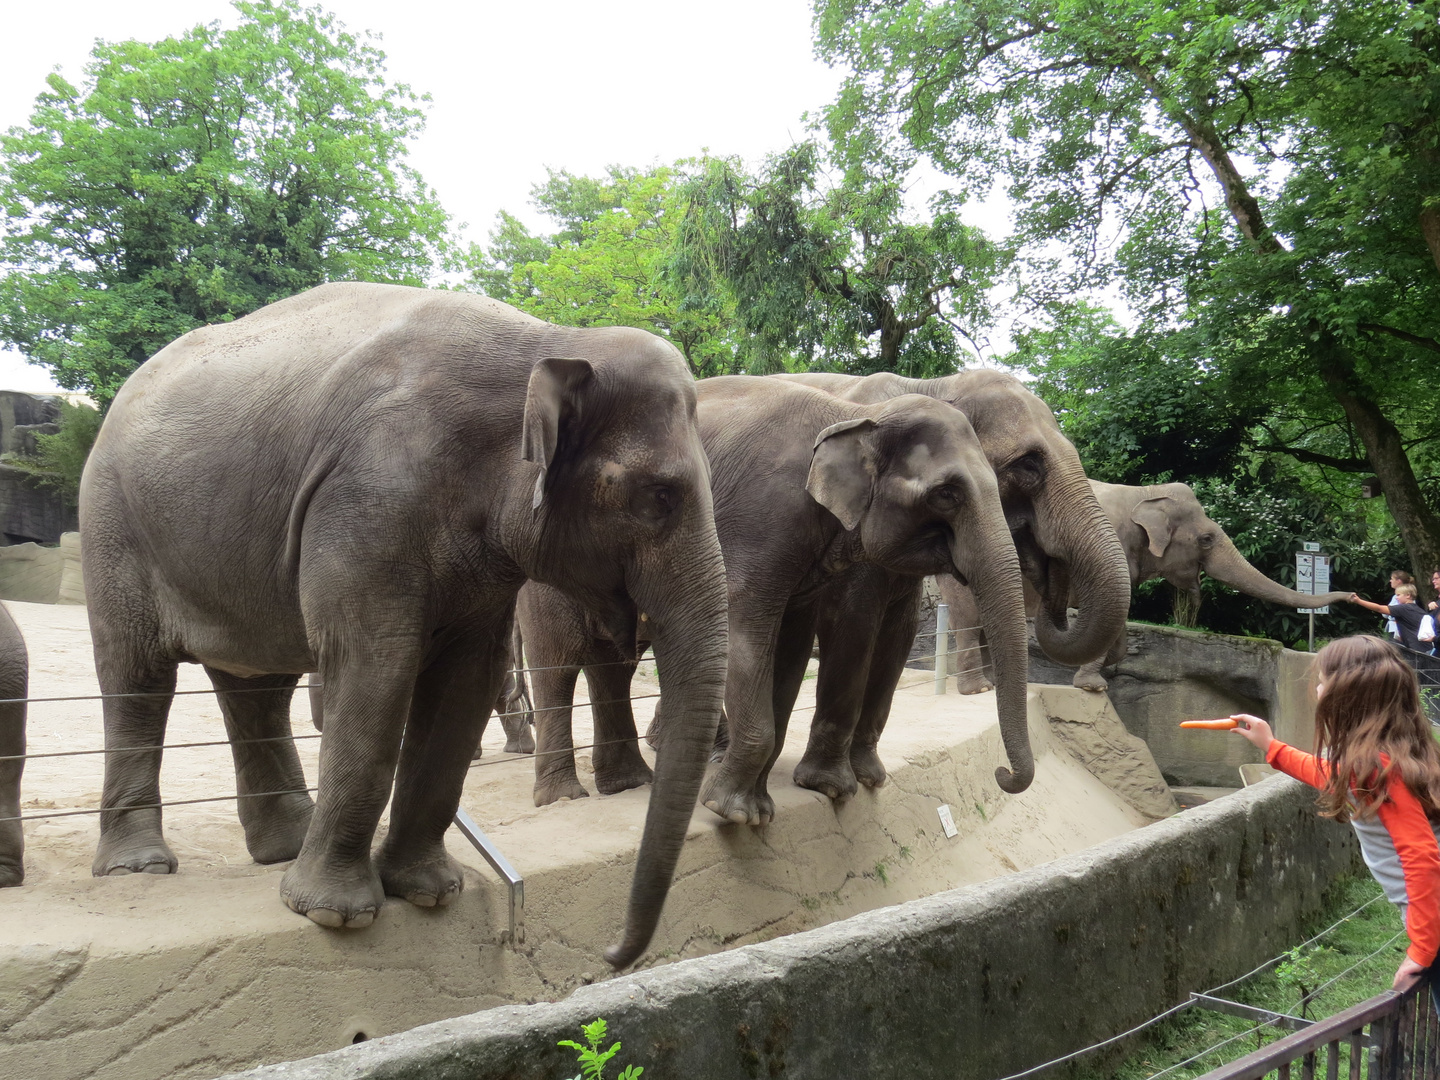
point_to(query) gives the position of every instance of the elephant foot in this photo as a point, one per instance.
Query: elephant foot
(12, 871)
(133, 851)
(334, 896)
(652, 733)
(1089, 678)
(869, 769)
(736, 801)
(620, 768)
(434, 881)
(833, 779)
(973, 682)
(522, 742)
(275, 831)
(554, 788)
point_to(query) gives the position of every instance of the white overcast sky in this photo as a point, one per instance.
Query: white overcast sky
(516, 87)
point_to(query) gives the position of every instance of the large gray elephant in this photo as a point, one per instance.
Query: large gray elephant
(14, 684)
(357, 481)
(1165, 533)
(1065, 545)
(809, 490)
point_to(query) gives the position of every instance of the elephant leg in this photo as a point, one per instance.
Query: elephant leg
(369, 680)
(555, 777)
(793, 649)
(969, 662)
(734, 789)
(257, 721)
(446, 721)
(846, 628)
(131, 837)
(14, 682)
(616, 754)
(887, 666)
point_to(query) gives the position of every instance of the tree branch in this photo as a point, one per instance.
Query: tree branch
(1413, 339)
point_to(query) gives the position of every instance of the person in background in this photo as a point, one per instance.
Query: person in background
(1379, 769)
(1397, 578)
(1405, 613)
(1435, 585)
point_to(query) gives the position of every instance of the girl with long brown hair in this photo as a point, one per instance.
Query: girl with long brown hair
(1379, 769)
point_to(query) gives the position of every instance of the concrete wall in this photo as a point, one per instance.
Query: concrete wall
(1171, 675)
(43, 575)
(974, 983)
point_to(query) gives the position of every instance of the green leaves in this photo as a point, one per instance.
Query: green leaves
(195, 179)
(592, 1059)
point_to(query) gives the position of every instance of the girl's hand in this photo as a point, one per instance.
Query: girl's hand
(1254, 729)
(1406, 975)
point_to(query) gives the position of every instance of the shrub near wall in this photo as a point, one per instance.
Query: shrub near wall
(972, 984)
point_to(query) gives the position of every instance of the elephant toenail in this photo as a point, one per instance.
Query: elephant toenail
(326, 917)
(421, 899)
(359, 922)
(155, 868)
(119, 871)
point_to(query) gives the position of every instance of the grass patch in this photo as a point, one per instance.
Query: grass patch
(1290, 987)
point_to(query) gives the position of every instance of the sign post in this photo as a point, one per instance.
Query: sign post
(1312, 577)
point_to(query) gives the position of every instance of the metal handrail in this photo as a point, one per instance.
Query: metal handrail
(1403, 1043)
(501, 865)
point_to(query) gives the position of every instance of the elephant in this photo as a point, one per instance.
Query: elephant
(808, 490)
(1165, 533)
(356, 481)
(14, 688)
(1065, 545)
(512, 705)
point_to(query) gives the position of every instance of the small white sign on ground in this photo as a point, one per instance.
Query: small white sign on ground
(947, 821)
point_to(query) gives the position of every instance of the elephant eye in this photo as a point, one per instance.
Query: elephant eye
(1207, 539)
(657, 503)
(1026, 471)
(944, 498)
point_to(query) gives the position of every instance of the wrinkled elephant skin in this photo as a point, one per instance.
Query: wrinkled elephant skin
(356, 481)
(14, 683)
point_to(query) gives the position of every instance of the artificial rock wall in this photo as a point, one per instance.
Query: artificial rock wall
(1169, 675)
(977, 982)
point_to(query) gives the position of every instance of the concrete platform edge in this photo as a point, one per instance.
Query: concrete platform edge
(975, 983)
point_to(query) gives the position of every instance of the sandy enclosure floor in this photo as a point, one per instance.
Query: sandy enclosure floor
(205, 836)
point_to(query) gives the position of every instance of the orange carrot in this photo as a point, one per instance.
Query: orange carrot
(1213, 725)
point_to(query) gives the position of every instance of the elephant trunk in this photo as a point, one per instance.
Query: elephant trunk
(690, 650)
(1227, 565)
(1085, 565)
(986, 558)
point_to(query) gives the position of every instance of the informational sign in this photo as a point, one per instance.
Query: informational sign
(947, 821)
(1312, 576)
(1310, 545)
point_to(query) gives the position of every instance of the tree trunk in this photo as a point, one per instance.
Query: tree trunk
(1419, 525)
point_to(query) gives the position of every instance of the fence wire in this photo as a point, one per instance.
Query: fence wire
(531, 757)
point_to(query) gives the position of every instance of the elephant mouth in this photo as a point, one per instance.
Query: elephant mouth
(1048, 575)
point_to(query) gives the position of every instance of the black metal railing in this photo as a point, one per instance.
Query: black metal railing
(1389, 1037)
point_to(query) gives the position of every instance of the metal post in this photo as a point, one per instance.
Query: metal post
(1312, 631)
(942, 646)
(501, 865)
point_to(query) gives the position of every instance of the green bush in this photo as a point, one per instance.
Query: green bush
(59, 460)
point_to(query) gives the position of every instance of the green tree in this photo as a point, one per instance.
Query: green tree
(1264, 178)
(607, 263)
(196, 179)
(834, 275)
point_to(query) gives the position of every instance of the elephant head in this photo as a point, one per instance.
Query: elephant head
(914, 485)
(620, 518)
(1167, 534)
(1068, 551)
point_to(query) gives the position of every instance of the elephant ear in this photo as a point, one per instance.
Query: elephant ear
(842, 470)
(1155, 517)
(551, 402)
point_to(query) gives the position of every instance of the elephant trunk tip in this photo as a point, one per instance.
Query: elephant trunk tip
(1014, 783)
